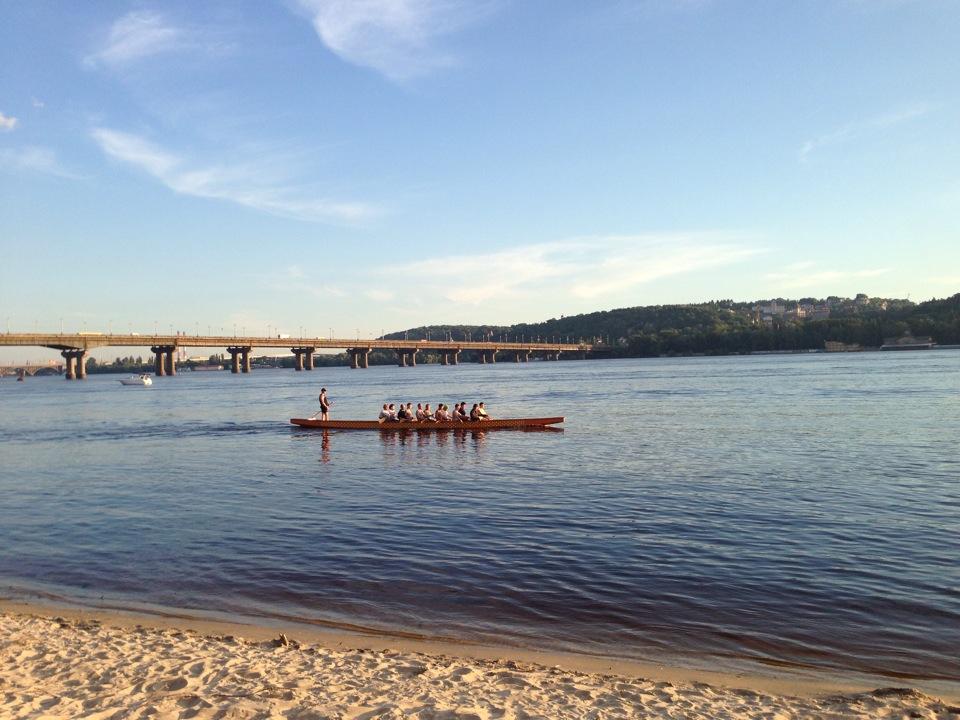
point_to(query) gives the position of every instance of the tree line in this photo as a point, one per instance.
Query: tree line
(724, 327)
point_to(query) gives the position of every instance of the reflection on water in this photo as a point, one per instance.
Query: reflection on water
(433, 438)
(403, 439)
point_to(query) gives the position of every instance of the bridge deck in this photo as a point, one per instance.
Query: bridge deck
(88, 341)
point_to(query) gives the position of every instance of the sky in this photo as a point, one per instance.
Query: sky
(362, 166)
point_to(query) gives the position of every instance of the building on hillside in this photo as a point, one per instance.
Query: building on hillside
(795, 313)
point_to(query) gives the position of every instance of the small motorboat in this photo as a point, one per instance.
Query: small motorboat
(143, 379)
(511, 423)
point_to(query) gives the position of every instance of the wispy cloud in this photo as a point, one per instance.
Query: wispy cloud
(7, 122)
(36, 159)
(37, 103)
(143, 33)
(293, 280)
(855, 129)
(395, 37)
(802, 275)
(246, 185)
(137, 35)
(587, 268)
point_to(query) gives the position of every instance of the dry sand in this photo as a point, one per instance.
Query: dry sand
(96, 665)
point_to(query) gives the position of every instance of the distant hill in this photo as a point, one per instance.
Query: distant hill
(727, 327)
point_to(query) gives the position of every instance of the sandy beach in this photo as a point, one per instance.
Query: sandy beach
(58, 663)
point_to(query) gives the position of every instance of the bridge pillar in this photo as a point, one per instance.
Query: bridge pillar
(304, 358)
(159, 367)
(236, 354)
(493, 356)
(455, 357)
(402, 358)
(76, 367)
(362, 356)
(444, 358)
(413, 357)
(526, 356)
(482, 357)
(68, 357)
(354, 359)
(516, 356)
(164, 360)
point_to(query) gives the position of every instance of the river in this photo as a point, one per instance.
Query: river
(798, 511)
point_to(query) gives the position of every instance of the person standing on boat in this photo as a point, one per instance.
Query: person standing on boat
(324, 405)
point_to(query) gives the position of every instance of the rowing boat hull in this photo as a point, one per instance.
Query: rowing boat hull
(508, 423)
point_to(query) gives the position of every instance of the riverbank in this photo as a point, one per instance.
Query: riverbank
(58, 662)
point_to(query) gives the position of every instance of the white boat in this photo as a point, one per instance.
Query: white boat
(137, 380)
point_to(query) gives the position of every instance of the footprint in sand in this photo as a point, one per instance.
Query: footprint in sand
(174, 684)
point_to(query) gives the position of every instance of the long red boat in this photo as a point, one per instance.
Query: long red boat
(515, 423)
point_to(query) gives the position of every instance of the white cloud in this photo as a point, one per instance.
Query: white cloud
(137, 35)
(792, 278)
(7, 122)
(33, 158)
(854, 129)
(586, 268)
(242, 184)
(37, 103)
(394, 37)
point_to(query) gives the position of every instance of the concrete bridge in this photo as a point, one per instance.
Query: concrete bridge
(31, 368)
(75, 346)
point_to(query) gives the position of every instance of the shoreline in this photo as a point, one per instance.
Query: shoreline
(93, 663)
(779, 686)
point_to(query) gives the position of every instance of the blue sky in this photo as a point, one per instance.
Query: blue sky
(370, 165)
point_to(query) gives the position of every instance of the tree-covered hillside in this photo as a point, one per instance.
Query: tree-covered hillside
(725, 327)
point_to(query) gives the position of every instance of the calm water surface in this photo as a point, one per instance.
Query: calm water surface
(797, 511)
